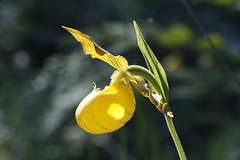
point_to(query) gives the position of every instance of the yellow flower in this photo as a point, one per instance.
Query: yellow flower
(107, 110)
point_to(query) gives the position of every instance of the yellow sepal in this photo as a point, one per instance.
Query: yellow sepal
(90, 47)
(107, 110)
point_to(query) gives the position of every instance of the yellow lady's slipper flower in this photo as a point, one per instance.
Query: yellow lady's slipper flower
(107, 110)
(104, 111)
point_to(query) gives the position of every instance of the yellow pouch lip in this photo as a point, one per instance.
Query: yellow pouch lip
(94, 111)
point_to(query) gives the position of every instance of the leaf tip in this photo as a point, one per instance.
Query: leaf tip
(135, 24)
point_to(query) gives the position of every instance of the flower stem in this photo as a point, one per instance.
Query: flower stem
(175, 138)
(145, 73)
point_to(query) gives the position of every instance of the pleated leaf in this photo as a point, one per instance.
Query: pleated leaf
(153, 64)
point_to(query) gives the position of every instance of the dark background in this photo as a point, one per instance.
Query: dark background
(45, 75)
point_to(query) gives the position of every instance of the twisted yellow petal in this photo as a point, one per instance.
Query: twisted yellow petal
(107, 110)
(90, 47)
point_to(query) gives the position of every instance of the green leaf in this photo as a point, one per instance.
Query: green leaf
(153, 64)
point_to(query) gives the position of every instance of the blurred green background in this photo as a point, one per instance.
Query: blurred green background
(45, 74)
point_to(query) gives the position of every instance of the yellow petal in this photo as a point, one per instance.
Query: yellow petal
(107, 110)
(90, 47)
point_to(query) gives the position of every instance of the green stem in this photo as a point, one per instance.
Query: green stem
(145, 73)
(175, 137)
